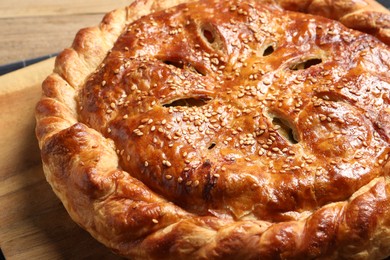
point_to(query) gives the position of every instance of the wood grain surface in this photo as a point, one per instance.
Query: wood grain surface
(34, 28)
(34, 224)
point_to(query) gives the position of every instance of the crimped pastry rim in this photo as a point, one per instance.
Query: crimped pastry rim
(56, 112)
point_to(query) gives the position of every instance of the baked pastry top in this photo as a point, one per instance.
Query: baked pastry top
(219, 129)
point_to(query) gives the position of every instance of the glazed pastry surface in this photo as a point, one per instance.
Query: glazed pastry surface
(224, 129)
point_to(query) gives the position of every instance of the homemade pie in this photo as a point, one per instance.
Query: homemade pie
(225, 130)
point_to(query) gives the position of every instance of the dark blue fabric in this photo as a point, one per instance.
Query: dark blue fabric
(385, 3)
(21, 64)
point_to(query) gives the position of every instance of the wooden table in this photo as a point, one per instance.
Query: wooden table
(33, 222)
(33, 28)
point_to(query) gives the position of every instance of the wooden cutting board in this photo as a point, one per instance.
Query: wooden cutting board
(33, 222)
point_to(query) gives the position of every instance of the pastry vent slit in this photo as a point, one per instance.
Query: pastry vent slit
(198, 70)
(269, 50)
(188, 102)
(209, 35)
(286, 130)
(211, 146)
(181, 65)
(306, 64)
(177, 64)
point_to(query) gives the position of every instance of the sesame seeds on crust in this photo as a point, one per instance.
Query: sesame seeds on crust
(202, 95)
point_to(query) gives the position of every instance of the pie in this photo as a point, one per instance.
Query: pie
(225, 130)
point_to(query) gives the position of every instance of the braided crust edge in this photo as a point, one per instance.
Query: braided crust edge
(122, 213)
(363, 15)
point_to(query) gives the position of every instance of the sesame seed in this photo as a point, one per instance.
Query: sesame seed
(215, 61)
(267, 82)
(167, 163)
(155, 221)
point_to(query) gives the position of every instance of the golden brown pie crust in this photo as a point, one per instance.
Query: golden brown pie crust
(225, 129)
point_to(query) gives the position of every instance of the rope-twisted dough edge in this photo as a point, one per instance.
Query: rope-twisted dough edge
(122, 213)
(366, 15)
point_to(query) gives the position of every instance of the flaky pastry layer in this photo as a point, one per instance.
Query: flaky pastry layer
(225, 129)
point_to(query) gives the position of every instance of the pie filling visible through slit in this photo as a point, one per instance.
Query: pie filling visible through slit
(242, 111)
